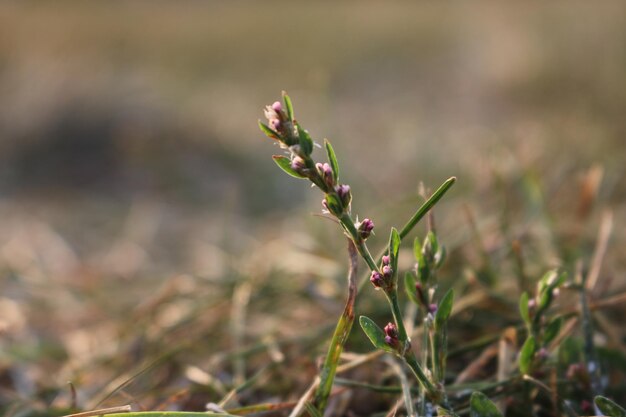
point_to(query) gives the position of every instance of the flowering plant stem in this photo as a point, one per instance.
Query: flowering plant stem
(290, 136)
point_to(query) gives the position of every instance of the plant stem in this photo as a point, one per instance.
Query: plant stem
(348, 225)
(342, 331)
(408, 355)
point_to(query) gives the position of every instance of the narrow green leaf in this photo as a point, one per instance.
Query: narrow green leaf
(444, 309)
(375, 334)
(552, 330)
(608, 407)
(409, 287)
(394, 248)
(433, 241)
(425, 208)
(288, 106)
(306, 143)
(268, 131)
(417, 251)
(527, 354)
(523, 309)
(332, 159)
(481, 406)
(284, 163)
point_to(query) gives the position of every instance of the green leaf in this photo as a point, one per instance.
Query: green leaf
(444, 309)
(440, 256)
(394, 248)
(284, 163)
(608, 407)
(306, 143)
(417, 251)
(334, 204)
(527, 354)
(523, 309)
(409, 287)
(433, 241)
(268, 131)
(332, 159)
(288, 106)
(375, 334)
(481, 406)
(552, 330)
(423, 271)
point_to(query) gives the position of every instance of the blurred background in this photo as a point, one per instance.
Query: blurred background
(146, 236)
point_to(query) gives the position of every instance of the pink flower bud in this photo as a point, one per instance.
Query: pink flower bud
(298, 164)
(365, 228)
(275, 124)
(391, 335)
(377, 279)
(387, 271)
(386, 259)
(277, 106)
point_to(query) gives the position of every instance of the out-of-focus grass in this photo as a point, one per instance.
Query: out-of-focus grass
(143, 221)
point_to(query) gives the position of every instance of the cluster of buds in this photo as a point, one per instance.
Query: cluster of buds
(384, 277)
(391, 336)
(274, 115)
(281, 127)
(344, 194)
(365, 228)
(326, 174)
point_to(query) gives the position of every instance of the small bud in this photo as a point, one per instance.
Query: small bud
(343, 191)
(277, 106)
(326, 172)
(298, 164)
(377, 279)
(365, 228)
(391, 335)
(432, 308)
(386, 259)
(532, 303)
(387, 271)
(275, 124)
(556, 292)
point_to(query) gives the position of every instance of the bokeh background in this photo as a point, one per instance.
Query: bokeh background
(146, 237)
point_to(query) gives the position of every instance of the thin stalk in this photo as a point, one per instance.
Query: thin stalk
(342, 331)
(348, 225)
(408, 354)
